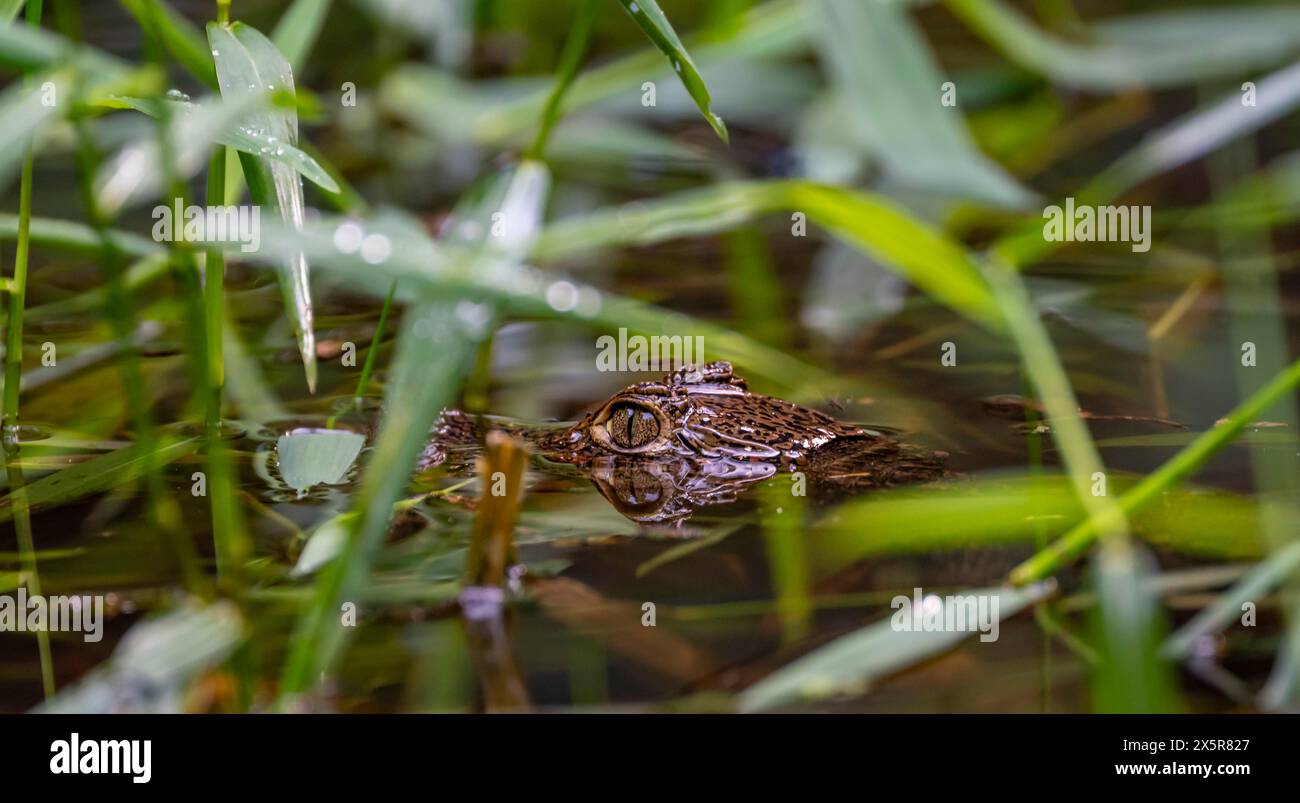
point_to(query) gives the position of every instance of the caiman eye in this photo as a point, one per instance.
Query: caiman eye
(631, 426)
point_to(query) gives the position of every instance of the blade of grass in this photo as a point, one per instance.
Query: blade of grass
(652, 22)
(1186, 139)
(78, 238)
(163, 654)
(575, 46)
(433, 353)
(1173, 471)
(922, 255)
(298, 30)
(135, 173)
(1155, 50)
(419, 263)
(233, 547)
(1042, 367)
(98, 474)
(372, 355)
(1258, 582)
(22, 113)
(754, 288)
(446, 108)
(996, 512)
(1130, 676)
(162, 510)
(248, 62)
(435, 349)
(786, 547)
(1255, 314)
(31, 49)
(185, 270)
(243, 138)
(180, 37)
(852, 662)
(883, 73)
(20, 498)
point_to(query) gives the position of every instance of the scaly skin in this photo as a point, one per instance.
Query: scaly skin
(660, 450)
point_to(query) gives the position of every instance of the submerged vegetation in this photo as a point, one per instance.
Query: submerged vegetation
(217, 421)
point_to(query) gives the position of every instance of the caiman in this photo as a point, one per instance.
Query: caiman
(660, 450)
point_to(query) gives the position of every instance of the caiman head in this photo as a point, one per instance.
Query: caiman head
(661, 449)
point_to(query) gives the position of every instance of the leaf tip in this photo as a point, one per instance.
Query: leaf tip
(720, 128)
(309, 368)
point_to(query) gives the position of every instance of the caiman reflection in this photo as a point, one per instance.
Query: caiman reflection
(660, 450)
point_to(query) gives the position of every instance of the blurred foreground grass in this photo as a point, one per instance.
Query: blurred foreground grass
(500, 116)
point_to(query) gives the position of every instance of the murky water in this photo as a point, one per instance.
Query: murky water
(726, 609)
(613, 605)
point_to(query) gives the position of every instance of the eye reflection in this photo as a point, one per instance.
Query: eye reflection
(639, 491)
(631, 426)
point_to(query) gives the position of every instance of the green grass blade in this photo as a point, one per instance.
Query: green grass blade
(883, 73)
(245, 139)
(163, 654)
(570, 61)
(1045, 372)
(852, 662)
(136, 172)
(758, 303)
(248, 62)
(1203, 131)
(1188, 138)
(1258, 582)
(419, 263)
(181, 38)
(10, 8)
(447, 108)
(786, 547)
(78, 238)
(22, 114)
(244, 381)
(31, 49)
(1130, 676)
(1173, 471)
(652, 22)
(1150, 50)
(99, 474)
(20, 500)
(232, 543)
(925, 257)
(889, 234)
(298, 29)
(434, 350)
(993, 512)
(372, 354)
